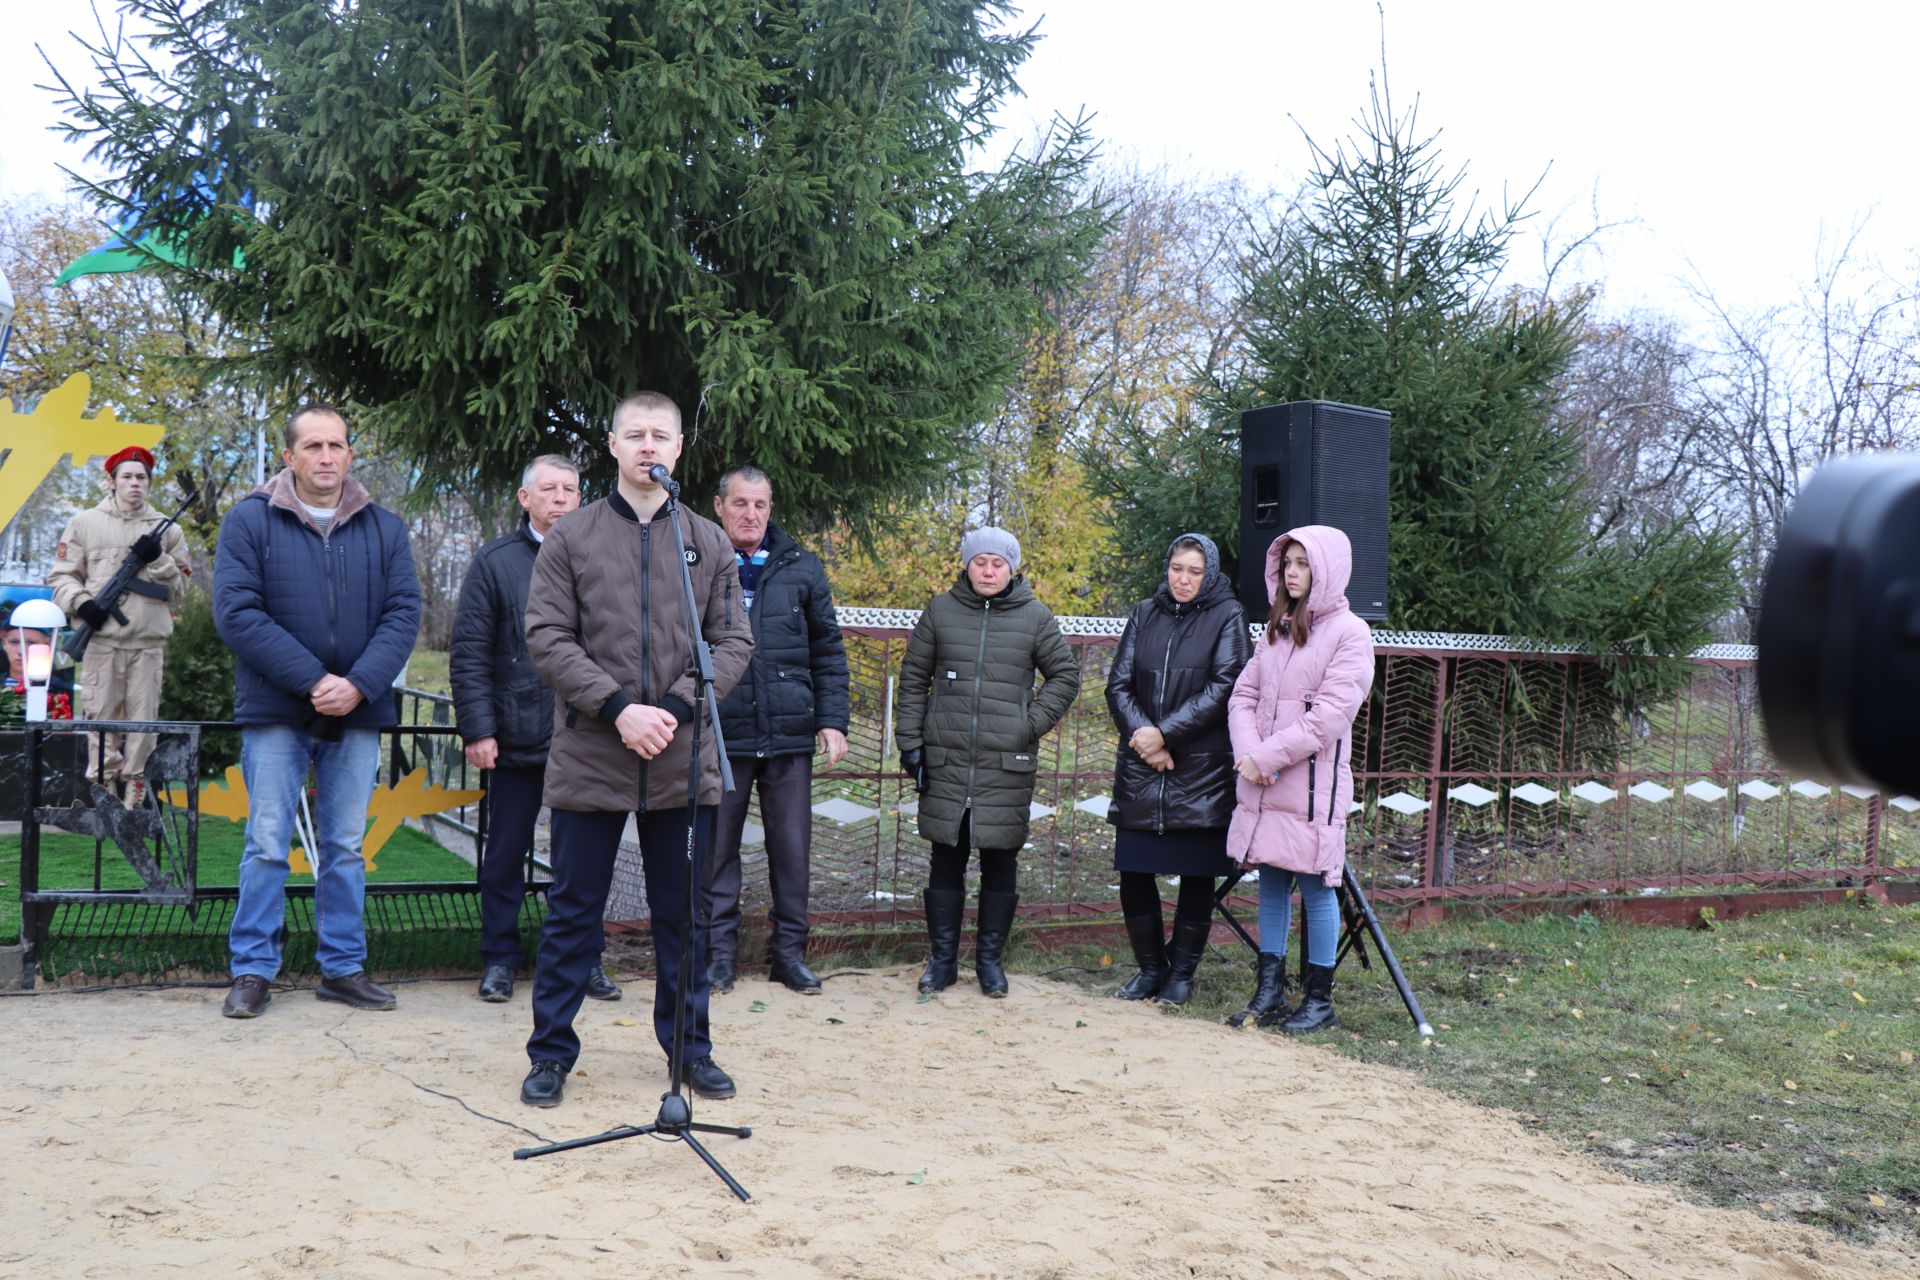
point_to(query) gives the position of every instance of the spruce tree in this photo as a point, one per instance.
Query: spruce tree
(1377, 287)
(481, 222)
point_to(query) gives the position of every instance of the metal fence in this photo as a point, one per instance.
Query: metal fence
(1484, 768)
(143, 905)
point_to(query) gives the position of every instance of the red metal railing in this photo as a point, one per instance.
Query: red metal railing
(1484, 769)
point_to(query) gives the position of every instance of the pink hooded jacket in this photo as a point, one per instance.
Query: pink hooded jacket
(1292, 710)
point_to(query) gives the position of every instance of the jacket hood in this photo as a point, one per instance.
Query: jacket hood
(1208, 553)
(1017, 592)
(1329, 559)
(279, 490)
(1215, 590)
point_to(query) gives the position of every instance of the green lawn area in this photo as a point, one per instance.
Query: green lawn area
(1766, 1063)
(427, 671)
(67, 861)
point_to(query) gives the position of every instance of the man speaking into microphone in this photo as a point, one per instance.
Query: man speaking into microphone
(606, 628)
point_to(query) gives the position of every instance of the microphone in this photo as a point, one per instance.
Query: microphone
(664, 478)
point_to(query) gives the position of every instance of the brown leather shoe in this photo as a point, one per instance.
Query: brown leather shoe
(247, 996)
(358, 990)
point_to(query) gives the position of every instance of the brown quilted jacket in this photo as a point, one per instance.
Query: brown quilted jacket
(605, 627)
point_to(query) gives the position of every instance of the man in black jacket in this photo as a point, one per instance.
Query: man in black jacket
(793, 695)
(505, 714)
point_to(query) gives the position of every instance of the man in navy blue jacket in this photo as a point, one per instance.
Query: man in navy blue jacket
(315, 593)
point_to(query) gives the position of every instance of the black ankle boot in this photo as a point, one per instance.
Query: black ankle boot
(1269, 1002)
(1150, 953)
(1316, 1010)
(944, 908)
(1183, 959)
(990, 940)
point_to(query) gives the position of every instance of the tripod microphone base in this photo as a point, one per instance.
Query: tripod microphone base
(675, 1124)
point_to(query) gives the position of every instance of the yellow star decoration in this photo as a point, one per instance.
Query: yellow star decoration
(35, 442)
(411, 797)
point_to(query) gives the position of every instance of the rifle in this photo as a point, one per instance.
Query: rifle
(122, 581)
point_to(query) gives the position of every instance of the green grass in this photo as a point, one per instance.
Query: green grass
(427, 671)
(1664, 1053)
(67, 861)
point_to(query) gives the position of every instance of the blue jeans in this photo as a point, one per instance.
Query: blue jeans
(274, 760)
(1322, 909)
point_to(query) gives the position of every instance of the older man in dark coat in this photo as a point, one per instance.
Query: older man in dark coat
(793, 697)
(505, 714)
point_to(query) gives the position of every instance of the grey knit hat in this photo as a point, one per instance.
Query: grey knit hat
(995, 541)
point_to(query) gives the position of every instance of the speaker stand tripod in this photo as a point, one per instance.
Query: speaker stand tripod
(1359, 923)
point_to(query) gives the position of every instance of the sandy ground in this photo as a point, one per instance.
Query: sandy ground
(1050, 1134)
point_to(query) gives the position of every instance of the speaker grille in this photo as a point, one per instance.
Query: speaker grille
(1315, 462)
(1350, 455)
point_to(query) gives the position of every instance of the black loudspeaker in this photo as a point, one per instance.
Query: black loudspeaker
(1315, 462)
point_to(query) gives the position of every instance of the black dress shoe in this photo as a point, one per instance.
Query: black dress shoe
(720, 974)
(358, 990)
(795, 976)
(247, 997)
(600, 986)
(707, 1080)
(496, 984)
(544, 1085)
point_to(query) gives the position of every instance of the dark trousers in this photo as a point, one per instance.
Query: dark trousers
(513, 807)
(584, 848)
(947, 869)
(786, 811)
(1140, 896)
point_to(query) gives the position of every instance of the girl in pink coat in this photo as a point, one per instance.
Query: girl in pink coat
(1291, 721)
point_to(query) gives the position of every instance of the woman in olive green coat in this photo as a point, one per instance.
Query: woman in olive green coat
(969, 724)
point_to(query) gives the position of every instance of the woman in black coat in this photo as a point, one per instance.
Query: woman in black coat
(1173, 778)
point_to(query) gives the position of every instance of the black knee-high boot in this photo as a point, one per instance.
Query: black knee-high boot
(1150, 953)
(995, 922)
(1183, 959)
(944, 909)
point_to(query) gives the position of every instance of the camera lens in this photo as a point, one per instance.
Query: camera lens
(1839, 629)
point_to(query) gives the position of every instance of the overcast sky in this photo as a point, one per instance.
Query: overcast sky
(1728, 134)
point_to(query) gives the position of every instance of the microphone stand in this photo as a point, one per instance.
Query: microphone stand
(675, 1122)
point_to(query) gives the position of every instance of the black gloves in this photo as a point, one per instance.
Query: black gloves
(913, 763)
(147, 547)
(92, 614)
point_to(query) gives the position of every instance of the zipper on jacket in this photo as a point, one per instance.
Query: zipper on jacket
(1160, 711)
(646, 666)
(1333, 779)
(763, 743)
(1310, 759)
(333, 599)
(973, 740)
